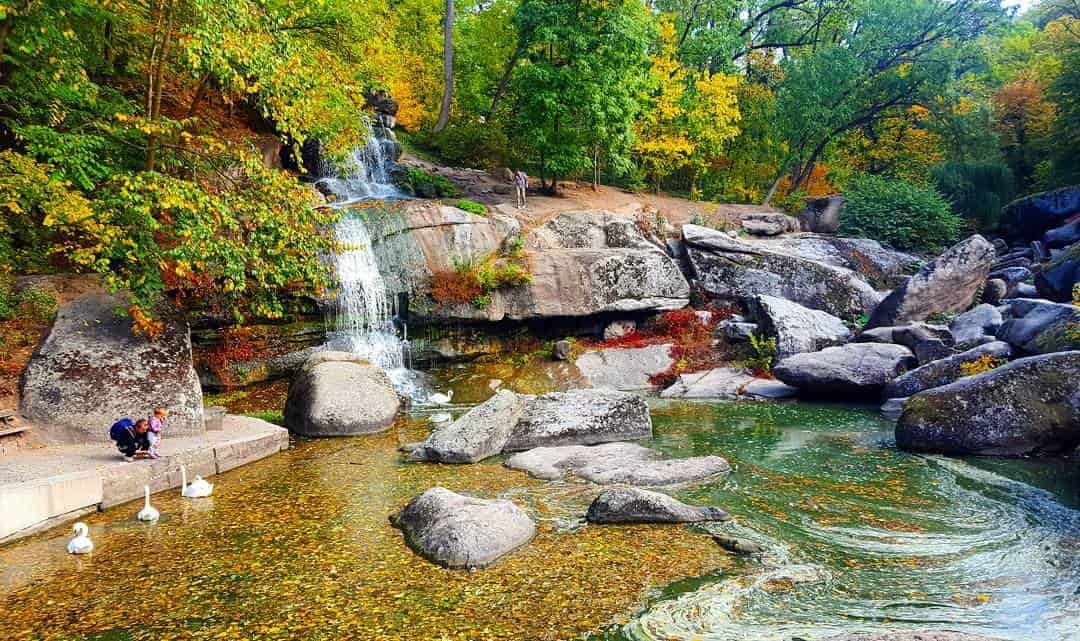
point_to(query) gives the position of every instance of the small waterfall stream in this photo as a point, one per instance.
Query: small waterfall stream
(361, 316)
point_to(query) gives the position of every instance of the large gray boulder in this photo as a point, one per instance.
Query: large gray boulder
(635, 505)
(852, 370)
(976, 325)
(768, 223)
(948, 284)
(463, 532)
(93, 370)
(796, 328)
(624, 368)
(944, 371)
(1057, 278)
(340, 394)
(480, 433)
(719, 382)
(616, 463)
(729, 269)
(1030, 406)
(580, 417)
(881, 267)
(1040, 326)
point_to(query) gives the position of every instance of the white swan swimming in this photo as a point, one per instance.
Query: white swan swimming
(198, 488)
(81, 544)
(441, 399)
(148, 513)
(441, 417)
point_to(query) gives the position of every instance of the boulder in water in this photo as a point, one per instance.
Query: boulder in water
(93, 370)
(478, 434)
(340, 394)
(624, 368)
(581, 417)
(944, 371)
(635, 505)
(616, 463)
(1030, 406)
(463, 532)
(852, 370)
(948, 284)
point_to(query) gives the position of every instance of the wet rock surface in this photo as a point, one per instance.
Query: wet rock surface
(479, 433)
(463, 532)
(635, 505)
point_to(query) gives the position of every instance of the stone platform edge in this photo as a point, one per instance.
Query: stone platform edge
(33, 506)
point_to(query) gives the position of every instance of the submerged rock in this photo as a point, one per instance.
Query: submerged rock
(736, 545)
(797, 329)
(340, 394)
(580, 417)
(478, 434)
(624, 368)
(1040, 326)
(616, 463)
(463, 532)
(948, 284)
(93, 369)
(1030, 406)
(635, 505)
(855, 369)
(944, 371)
(727, 268)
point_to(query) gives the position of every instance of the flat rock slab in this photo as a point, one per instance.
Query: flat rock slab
(635, 505)
(616, 463)
(855, 369)
(580, 417)
(624, 368)
(463, 532)
(1030, 406)
(479, 433)
(340, 394)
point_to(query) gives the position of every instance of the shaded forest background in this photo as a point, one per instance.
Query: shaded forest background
(139, 138)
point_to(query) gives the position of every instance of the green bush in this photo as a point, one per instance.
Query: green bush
(904, 215)
(8, 301)
(472, 207)
(419, 183)
(39, 303)
(471, 142)
(977, 190)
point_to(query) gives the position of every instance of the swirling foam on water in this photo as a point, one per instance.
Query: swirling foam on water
(982, 553)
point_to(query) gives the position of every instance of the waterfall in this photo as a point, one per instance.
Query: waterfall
(361, 316)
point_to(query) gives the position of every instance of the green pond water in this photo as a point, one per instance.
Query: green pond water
(860, 537)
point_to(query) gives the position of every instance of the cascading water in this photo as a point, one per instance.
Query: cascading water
(361, 316)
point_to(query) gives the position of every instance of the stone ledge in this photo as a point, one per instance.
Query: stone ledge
(30, 506)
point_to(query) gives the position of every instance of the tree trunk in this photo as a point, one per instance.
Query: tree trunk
(772, 189)
(504, 82)
(448, 67)
(200, 93)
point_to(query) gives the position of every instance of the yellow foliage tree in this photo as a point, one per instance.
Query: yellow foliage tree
(711, 121)
(663, 144)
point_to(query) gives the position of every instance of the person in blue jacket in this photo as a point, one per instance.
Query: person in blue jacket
(131, 437)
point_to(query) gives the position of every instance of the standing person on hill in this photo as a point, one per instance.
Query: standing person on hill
(521, 181)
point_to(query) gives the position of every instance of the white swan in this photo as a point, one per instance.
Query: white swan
(81, 544)
(148, 513)
(198, 488)
(441, 417)
(441, 399)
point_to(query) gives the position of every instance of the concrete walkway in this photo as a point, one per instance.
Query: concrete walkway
(40, 488)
